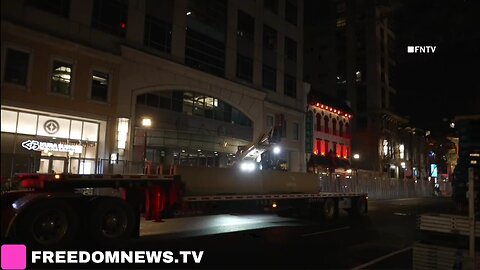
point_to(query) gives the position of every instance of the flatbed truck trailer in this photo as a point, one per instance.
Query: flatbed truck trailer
(52, 210)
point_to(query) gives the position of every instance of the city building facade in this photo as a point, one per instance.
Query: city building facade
(351, 55)
(80, 77)
(328, 141)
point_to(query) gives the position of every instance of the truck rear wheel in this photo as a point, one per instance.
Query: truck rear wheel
(359, 207)
(49, 224)
(111, 220)
(328, 209)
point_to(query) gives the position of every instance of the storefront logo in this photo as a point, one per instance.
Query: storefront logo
(51, 126)
(48, 146)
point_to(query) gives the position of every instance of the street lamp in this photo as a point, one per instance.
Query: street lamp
(146, 123)
(356, 156)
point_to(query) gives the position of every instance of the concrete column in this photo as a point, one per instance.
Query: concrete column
(231, 42)
(179, 25)
(136, 22)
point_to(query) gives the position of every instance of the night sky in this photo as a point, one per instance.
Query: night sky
(432, 87)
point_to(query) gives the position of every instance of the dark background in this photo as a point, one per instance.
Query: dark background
(433, 88)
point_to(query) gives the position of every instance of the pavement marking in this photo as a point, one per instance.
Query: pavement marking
(382, 258)
(400, 214)
(327, 231)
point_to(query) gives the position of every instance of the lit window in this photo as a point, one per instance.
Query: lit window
(385, 147)
(358, 76)
(341, 22)
(61, 78)
(401, 149)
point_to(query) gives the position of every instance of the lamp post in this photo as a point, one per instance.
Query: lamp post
(146, 123)
(356, 157)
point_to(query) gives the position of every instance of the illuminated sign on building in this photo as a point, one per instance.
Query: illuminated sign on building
(49, 146)
(434, 170)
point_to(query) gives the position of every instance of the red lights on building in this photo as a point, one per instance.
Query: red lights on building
(123, 25)
(331, 109)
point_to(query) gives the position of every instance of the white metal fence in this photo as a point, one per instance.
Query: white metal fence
(377, 187)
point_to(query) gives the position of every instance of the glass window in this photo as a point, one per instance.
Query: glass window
(177, 101)
(152, 100)
(199, 105)
(271, 5)
(246, 25)
(290, 49)
(110, 16)
(59, 7)
(269, 38)
(158, 34)
(27, 123)
(9, 121)
(90, 131)
(291, 12)
(269, 78)
(100, 81)
(188, 103)
(244, 68)
(204, 53)
(16, 67)
(61, 78)
(76, 129)
(290, 85)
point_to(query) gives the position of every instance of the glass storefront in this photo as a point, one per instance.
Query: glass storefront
(33, 142)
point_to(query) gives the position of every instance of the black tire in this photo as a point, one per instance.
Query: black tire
(111, 220)
(359, 207)
(48, 224)
(329, 209)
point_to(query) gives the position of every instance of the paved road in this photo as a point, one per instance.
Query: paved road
(382, 240)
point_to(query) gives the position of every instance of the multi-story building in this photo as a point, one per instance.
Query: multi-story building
(328, 135)
(349, 54)
(79, 77)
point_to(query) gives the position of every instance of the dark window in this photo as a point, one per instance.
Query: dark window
(141, 99)
(59, 7)
(246, 25)
(340, 129)
(16, 67)
(319, 122)
(269, 78)
(325, 124)
(271, 5)
(158, 34)
(291, 49)
(361, 99)
(152, 100)
(269, 38)
(244, 68)
(110, 16)
(291, 12)
(100, 81)
(205, 53)
(177, 101)
(334, 126)
(290, 86)
(61, 78)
